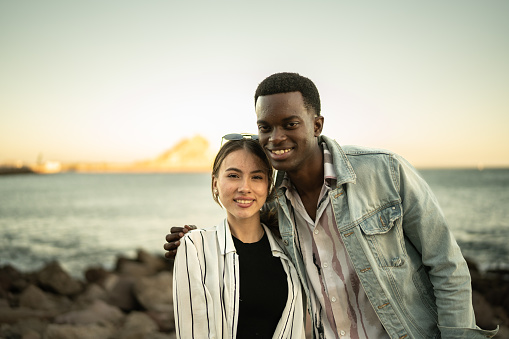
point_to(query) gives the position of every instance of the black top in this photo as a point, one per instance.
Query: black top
(263, 289)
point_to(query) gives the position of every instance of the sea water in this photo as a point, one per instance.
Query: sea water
(85, 220)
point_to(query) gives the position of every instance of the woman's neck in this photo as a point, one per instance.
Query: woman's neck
(247, 231)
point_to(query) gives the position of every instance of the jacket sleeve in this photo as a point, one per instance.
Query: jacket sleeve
(192, 303)
(425, 226)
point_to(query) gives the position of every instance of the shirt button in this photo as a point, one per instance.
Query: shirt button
(285, 242)
(342, 332)
(333, 299)
(325, 265)
(316, 231)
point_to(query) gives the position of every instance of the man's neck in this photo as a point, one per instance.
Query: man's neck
(308, 182)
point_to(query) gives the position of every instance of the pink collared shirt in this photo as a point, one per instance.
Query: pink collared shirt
(339, 305)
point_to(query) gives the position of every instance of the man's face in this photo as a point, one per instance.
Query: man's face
(287, 130)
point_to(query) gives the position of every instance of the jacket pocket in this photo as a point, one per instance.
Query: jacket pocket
(383, 232)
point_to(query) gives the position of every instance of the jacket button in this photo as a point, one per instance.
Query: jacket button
(285, 242)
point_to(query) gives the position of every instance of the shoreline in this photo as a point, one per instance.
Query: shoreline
(134, 300)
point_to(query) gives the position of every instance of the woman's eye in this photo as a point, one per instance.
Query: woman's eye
(232, 175)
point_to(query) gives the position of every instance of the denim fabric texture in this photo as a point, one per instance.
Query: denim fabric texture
(399, 242)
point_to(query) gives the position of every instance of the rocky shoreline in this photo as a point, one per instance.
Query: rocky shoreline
(134, 301)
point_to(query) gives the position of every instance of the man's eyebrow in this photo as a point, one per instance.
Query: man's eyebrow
(293, 117)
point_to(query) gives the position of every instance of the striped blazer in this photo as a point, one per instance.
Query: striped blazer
(206, 287)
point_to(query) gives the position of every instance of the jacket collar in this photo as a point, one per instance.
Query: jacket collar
(224, 237)
(226, 245)
(342, 166)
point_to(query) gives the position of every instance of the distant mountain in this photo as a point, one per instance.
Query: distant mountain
(189, 155)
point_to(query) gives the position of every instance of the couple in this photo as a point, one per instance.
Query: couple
(359, 228)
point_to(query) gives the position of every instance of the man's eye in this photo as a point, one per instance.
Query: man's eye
(292, 124)
(263, 128)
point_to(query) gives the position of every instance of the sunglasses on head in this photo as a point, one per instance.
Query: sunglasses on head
(238, 136)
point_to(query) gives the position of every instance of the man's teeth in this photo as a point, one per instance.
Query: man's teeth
(244, 201)
(281, 151)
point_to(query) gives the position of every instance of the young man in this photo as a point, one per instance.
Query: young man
(369, 241)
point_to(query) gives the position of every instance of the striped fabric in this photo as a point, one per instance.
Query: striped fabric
(206, 287)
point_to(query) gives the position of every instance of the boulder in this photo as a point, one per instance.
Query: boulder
(55, 279)
(66, 331)
(165, 320)
(11, 280)
(34, 298)
(92, 292)
(96, 275)
(121, 294)
(98, 312)
(155, 263)
(137, 325)
(154, 293)
(133, 268)
(26, 329)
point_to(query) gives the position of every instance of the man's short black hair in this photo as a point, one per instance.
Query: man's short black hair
(291, 82)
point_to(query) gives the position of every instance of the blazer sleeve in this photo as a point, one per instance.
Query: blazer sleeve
(192, 305)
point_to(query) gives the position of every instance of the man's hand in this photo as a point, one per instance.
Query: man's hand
(173, 240)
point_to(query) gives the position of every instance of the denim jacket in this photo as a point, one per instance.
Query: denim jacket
(399, 243)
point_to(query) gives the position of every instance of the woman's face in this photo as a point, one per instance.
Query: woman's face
(242, 183)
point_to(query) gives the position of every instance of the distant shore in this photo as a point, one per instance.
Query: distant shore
(134, 300)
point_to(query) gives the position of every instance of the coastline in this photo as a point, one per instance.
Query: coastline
(134, 300)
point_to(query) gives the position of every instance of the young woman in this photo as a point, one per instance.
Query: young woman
(233, 280)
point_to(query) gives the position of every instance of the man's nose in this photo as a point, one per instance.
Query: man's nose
(277, 136)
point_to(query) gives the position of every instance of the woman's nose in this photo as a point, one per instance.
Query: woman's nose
(244, 186)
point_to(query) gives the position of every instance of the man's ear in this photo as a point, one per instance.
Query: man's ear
(318, 125)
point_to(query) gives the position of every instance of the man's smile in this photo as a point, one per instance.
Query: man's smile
(281, 151)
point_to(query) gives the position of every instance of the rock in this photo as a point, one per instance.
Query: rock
(34, 298)
(165, 320)
(96, 275)
(154, 293)
(97, 313)
(11, 280)
(484, 315)
(92, 292)
(55, 279)
(137, 325)
(31, 334)
(27, 329)
(155, 263)
(55, 331)
(122, 294)
(132, 268)
(15, 314)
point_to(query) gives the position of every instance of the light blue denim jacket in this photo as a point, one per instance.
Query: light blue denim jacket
(399, 243)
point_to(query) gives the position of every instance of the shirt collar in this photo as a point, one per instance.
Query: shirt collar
(329, 173)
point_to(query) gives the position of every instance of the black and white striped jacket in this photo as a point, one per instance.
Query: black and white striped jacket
(206, 287)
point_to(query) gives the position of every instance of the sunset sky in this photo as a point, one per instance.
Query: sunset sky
(124, 80)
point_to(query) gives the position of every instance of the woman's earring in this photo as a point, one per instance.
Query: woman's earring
(216, 193)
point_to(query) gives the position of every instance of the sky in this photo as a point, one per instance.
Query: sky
(123, 81)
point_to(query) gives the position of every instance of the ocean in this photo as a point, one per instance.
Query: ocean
(87, 220)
